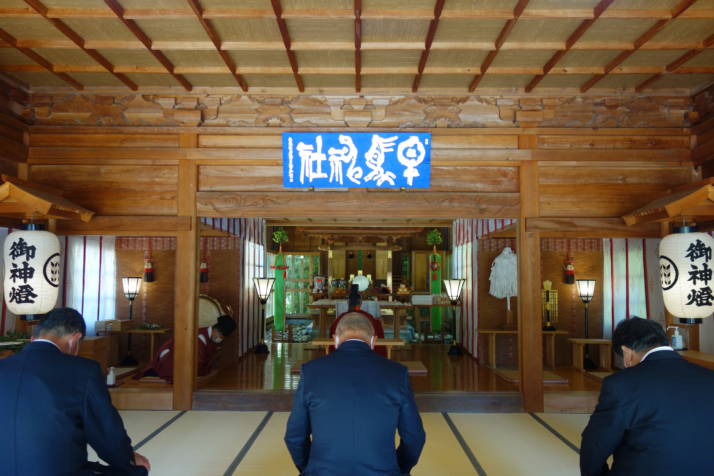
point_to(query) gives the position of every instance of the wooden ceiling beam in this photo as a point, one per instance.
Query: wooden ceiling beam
(338, 224)
(503, 35)
(351, 232)
(346, 70)
(14, 82)
(283, 27)
(46, 65)
(372, 13)
(572, 39)
(433, 24)
(358, 45)
(644, 38)
(216, 40)
(349, 45)
(676, 66)
(41, 9)
(146, 41)
(577, 227)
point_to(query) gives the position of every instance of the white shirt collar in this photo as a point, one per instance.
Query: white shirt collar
(358, 340)
(656, 349)
(48, 341)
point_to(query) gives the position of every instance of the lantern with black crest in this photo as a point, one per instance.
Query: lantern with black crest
(32, 271)
(685, 265)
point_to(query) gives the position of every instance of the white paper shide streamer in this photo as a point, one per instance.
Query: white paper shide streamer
(32, 271)
(504, 276)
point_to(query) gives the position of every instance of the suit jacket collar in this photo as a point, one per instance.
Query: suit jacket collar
(354, 346)
(662, 355)
(41, 347)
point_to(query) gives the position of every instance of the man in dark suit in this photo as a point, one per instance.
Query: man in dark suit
(351, 402)
(53, 403)
(656, 416)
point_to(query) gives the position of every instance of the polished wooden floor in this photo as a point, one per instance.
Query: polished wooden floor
(279, 371)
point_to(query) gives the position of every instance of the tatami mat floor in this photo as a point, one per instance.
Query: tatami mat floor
(205, 443)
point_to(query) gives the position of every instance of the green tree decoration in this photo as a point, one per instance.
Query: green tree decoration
(280, 236)
(434, 238)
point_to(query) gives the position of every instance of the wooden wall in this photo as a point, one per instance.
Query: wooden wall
(597, 156)
(223, 282)
(703, 131)
(491, 310)
(588, 265)
(13, 129)
(601, 174)
(155, 303)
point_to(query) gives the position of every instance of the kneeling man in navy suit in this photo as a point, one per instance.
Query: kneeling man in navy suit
(53, 404)
(656, 416)
(347, 408)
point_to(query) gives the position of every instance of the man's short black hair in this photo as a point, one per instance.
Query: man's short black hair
(225, 325)
(638, 334)
(61, 322)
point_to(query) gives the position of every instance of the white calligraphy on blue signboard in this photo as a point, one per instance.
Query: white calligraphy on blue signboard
(357, 159)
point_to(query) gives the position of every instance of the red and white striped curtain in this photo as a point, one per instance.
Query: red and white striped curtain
(251, 261)
(253, 265)
(631, 282)
(482, 227)
(466, 233)
(464, 266)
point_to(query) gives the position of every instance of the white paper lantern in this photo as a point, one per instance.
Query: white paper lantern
(32, 271)
(685, 265)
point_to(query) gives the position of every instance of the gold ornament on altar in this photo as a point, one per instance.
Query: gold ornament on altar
(549, 305)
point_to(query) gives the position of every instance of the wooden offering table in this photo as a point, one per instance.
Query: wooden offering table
(389, 343)
(549, 344)
(325, 304)
(579, 352)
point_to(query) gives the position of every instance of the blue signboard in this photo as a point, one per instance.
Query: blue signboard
(357, 159)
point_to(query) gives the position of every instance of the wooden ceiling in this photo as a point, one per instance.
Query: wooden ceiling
(365, 46)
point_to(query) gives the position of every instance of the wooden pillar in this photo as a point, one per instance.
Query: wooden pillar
(530, 335)
(185, 300)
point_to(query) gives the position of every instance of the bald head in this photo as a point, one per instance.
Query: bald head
(354, 325)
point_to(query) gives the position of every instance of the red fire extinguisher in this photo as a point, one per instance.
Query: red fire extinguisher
(148, 271)
(203, 271)
(148, 267)
(569, 271)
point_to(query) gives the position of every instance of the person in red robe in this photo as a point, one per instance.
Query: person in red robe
(162, 365)
(354, 303)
